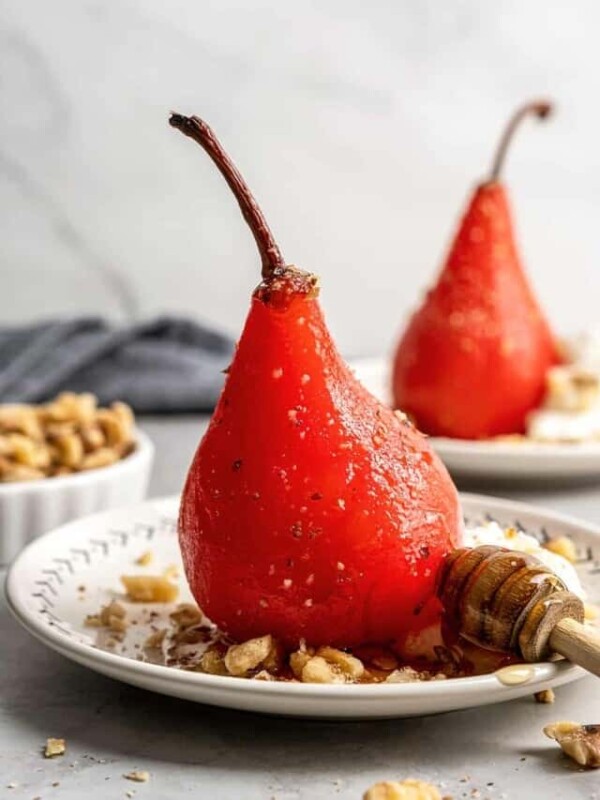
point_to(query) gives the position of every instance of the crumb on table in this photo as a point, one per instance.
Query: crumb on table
(54, 747)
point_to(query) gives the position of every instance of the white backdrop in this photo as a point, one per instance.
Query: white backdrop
(361, 128)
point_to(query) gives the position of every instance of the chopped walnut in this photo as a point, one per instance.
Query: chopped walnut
(111, 616)
(155, 639)
(571, 387)
(54, 747)
(212, 662)
(351, 667)
(263, 675)
(328, 665)
(299, 659)
(67, 435)
(186, 615)
(406, 790)
(410, 675)
(144, 558)
(149, 588)
(562, 546)
(579, 742)
(318, 670)
(241, 659)
(546, 696)
(138, 775)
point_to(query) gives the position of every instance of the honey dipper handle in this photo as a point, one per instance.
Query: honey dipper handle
(578, 643)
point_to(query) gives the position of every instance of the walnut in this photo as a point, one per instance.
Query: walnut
(406, 790)
(571, 388)
(144, 558)
(212, 662)
(562, 546)
(546, 696)
(103, 457)
(328, 665)
(112, 617)
(241, 659)
(410, 675)
(579, 742)
(155, 640)
(298, 661)
(350, 666)
(54, 747)
(590, 612)
(20, 419)
(138, 775)
(186, 615)
(69, 434)
(149, 588)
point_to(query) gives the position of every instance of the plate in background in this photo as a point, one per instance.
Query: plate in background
(43, 590)
(489, 459)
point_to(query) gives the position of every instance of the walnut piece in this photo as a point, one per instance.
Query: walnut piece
(410, 675)
(54, 747)
(149, 588)
(406, 790)
(138, 775)
(546, 696)
(579, 742)
(186, 615)
(69, 434)
(326, 665)
(144, 558)
(155, 640)
(240, 659)
(562, 546)
(112, 617)
(212, 662)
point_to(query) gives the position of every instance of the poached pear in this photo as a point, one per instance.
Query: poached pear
(473, 360)
(310, 511)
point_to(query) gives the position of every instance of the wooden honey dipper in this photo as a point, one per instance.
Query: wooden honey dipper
(509, 601)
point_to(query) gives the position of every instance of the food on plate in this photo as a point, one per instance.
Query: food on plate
(311, 511)
(182, 637)
(69, 434)
(570, 410)
(579, 742)
(150, 588)
(473, 360)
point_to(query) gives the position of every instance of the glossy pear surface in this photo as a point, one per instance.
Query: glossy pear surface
(473, 359)
(311, 510)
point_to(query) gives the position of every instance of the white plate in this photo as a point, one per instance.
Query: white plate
(495, 459)
(42, 589)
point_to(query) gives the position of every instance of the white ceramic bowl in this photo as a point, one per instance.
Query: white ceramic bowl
(30, 508)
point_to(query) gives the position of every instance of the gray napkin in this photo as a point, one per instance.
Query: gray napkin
(166, 365)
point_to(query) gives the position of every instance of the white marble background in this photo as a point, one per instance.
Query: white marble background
(360, 126)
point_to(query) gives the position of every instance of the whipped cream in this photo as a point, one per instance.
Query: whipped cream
(571, 408)
(493, 533)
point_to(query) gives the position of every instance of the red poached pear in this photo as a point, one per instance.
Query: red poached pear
(473, 360)
(310, 511)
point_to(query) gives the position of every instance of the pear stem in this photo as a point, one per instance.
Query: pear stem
(539, 108)
(202, 133)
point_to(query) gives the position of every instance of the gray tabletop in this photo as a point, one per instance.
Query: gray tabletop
(201, 752)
